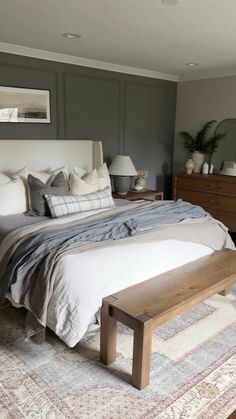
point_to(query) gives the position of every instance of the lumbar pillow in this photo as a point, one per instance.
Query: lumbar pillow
(4, 179)
(12, 198)
(86, 185)
(63, 205)
(38, 190)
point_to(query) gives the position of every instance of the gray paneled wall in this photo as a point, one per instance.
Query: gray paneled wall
(129, 114)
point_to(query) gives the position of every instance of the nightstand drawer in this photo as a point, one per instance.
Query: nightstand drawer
(192, 183)
(203, 199)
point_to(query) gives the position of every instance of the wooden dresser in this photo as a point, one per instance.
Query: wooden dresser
(215, 193)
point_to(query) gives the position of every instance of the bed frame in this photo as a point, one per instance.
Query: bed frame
(49, 154)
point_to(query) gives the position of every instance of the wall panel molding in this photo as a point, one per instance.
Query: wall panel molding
(128, 113)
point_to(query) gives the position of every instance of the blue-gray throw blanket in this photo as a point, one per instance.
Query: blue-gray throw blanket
(34, 248)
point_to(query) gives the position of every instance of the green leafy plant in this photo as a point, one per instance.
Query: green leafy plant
(200, 142)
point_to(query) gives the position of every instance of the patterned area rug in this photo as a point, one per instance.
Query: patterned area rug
(193, 371)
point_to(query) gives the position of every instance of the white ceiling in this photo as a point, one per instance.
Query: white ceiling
(143, 35)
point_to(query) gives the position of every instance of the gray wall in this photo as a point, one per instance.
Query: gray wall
(199, 101)
(129, 114)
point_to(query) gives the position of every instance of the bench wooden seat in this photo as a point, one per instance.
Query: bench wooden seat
(147, 305)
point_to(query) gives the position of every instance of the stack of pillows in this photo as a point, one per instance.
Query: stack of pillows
(55, 193)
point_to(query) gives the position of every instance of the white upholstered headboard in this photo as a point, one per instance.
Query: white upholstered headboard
(49, 154)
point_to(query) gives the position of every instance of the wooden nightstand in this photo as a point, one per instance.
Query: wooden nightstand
(139, 195)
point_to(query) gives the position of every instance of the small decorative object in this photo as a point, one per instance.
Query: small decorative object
(24, 105)
(200, 145)
(140, 183)
(211, 168)
(122, 169)
(205, 168)
(189, 166)
(229, 168)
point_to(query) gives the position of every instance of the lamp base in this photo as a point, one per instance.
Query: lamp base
(122, 184)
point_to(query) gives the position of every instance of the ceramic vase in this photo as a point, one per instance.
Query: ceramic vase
(140, 184)
(189, 165)
(198, 159)
(205, 168)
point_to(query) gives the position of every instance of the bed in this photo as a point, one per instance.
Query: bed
(61, 268)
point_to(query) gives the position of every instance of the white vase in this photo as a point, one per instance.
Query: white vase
(211, 168)
(189, 165)
(205, 168)
(198, 159)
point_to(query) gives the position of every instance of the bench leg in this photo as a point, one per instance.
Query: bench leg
(107, 335)
(225, 291)
(142, 351)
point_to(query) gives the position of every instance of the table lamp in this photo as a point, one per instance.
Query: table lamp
(122, 169)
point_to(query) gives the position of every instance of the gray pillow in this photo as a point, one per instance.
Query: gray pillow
(38, 190)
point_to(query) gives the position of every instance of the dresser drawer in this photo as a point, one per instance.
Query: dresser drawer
(191, 183)
(227, 188)
(205, 200)
(228, 218)
(226, 203)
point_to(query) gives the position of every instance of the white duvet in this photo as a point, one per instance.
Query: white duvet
(88, 277)
(85, 278)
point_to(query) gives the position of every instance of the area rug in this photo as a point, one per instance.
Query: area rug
(193, 371)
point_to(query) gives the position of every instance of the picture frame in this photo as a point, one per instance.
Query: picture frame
(23, 105)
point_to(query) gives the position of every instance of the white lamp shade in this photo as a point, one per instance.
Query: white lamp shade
(122, 166)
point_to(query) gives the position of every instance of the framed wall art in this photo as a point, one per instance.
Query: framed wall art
(24, 105)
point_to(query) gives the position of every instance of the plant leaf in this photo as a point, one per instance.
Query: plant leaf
(189, 142)
(213, 142)
(201, 135)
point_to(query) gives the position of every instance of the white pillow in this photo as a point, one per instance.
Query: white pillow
(53, 173)
(24, 173)
(87, 185)
(82, 183)
(78, 171)
(21, 174)
(69, 204)
(43, 176)
(12, 198)
(104, 179)
(4, 179)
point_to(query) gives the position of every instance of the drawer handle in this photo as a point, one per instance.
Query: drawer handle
(211, 185)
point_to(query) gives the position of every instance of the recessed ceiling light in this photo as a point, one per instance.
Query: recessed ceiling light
(191, 64)
(69, 35)
(170, 2)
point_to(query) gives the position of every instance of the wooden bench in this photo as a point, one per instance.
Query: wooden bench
(147, 305)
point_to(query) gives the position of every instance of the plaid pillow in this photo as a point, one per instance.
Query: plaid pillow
(63, 205)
